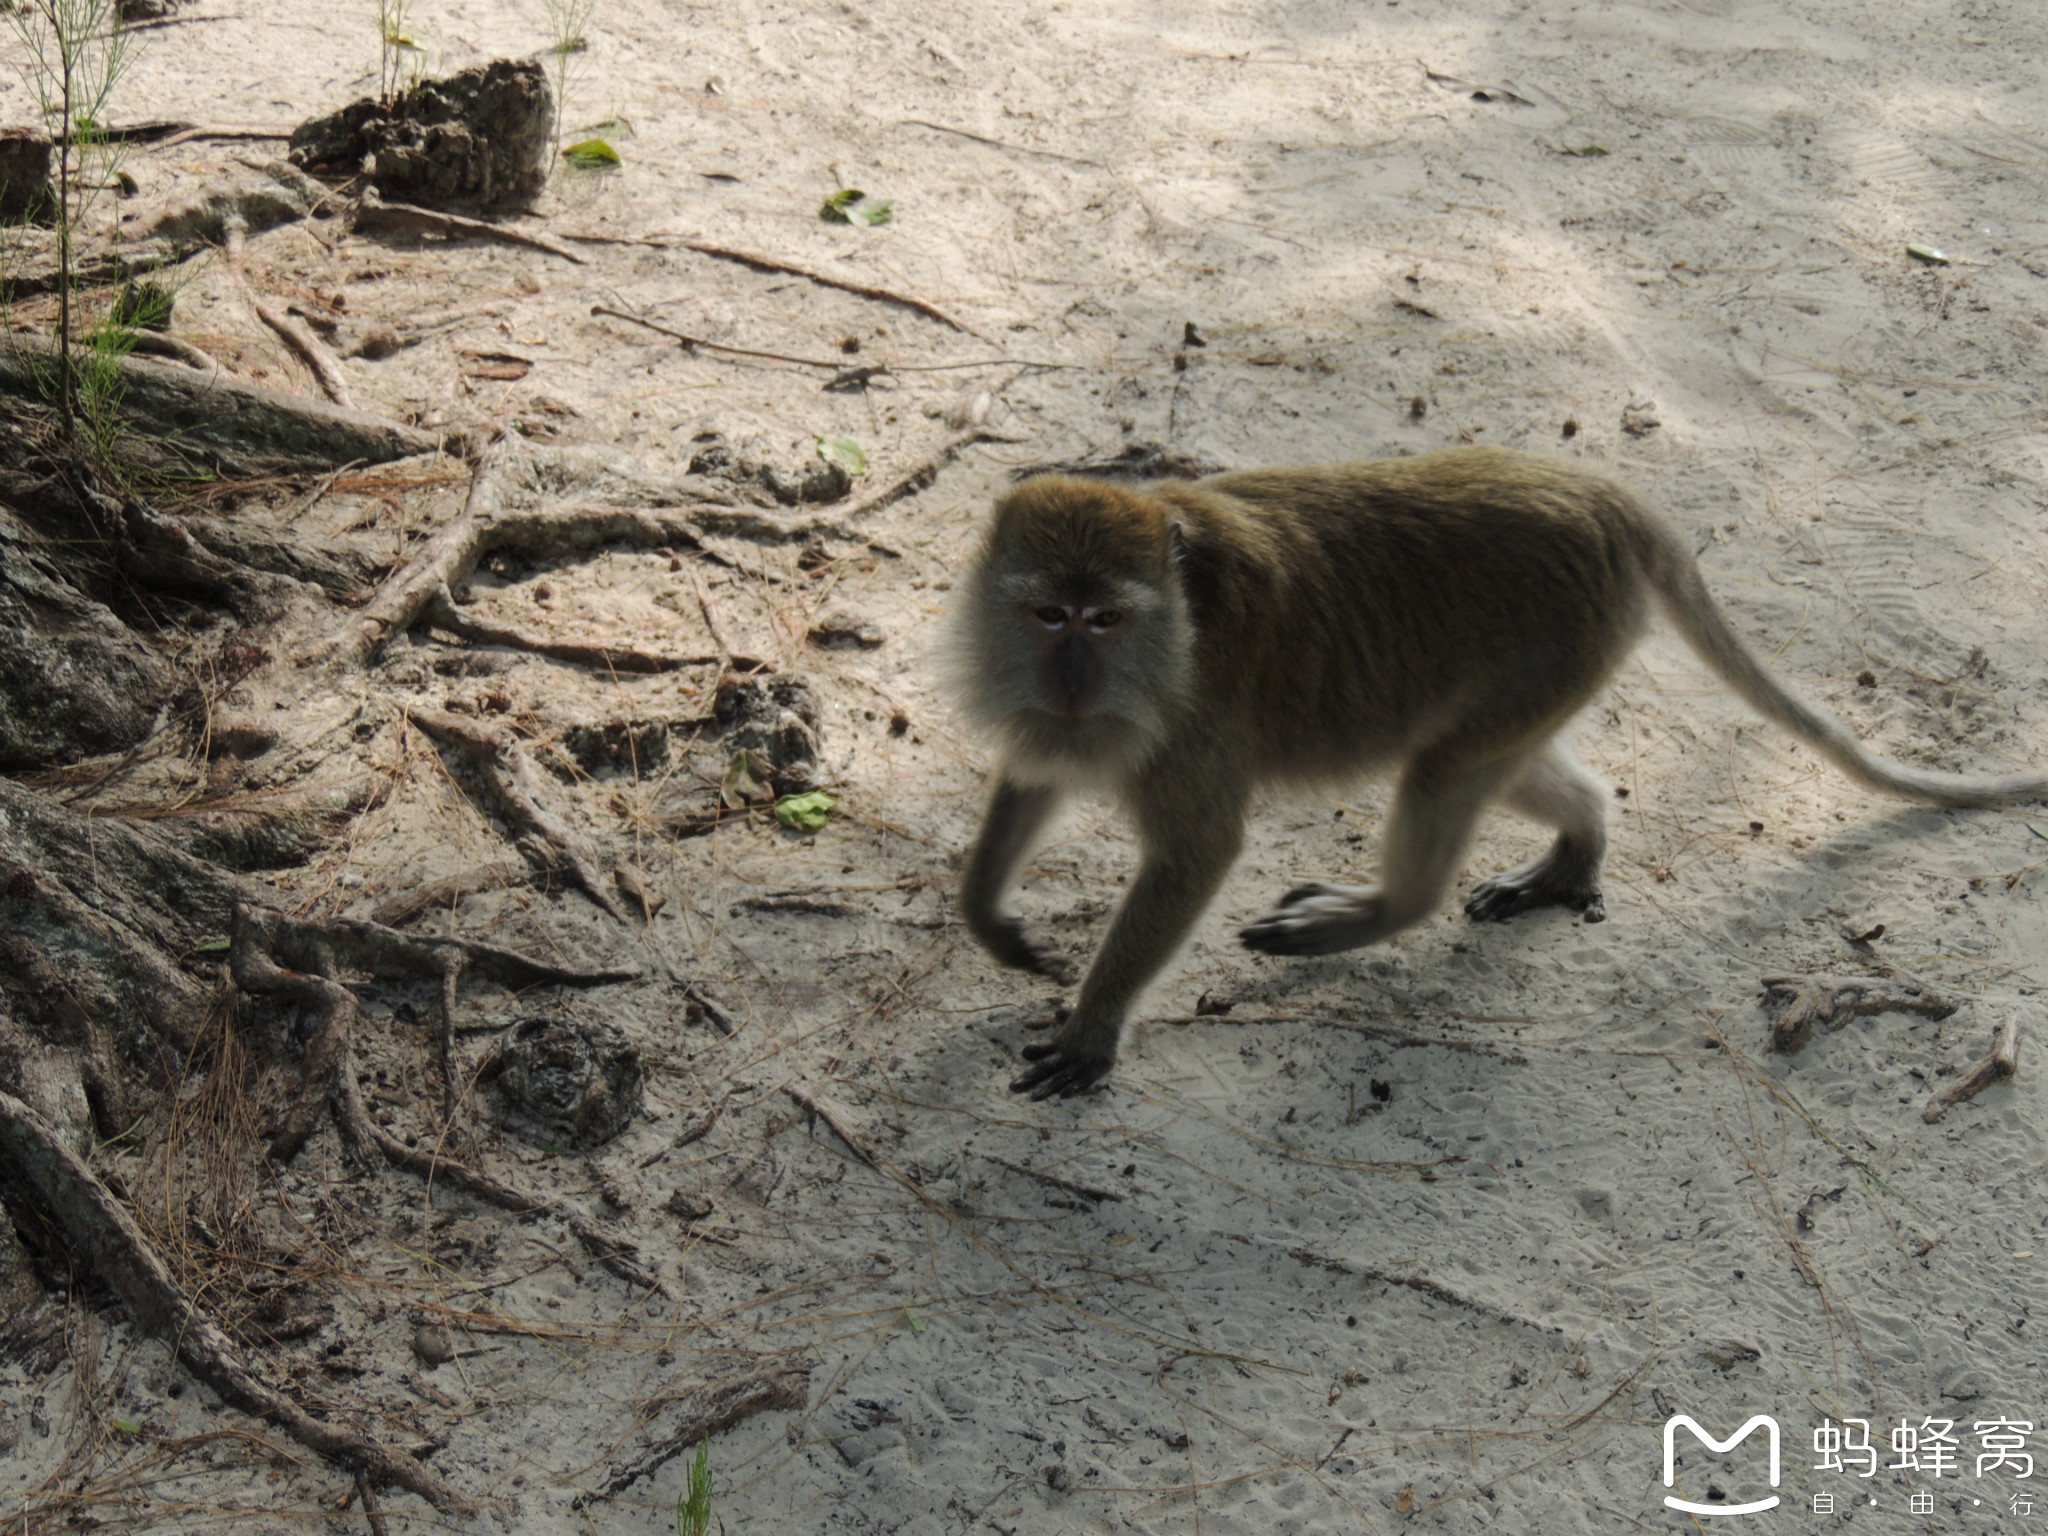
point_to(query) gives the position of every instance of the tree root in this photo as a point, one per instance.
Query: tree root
(812, 275)
(507, 774)
(913, 479)
(449, 557)
(2002, 1063)
(314, 949)
(441, 612)
(711, 1409)
(376, 215)
(113, 1246)
(1803, 1001)
(294, 334)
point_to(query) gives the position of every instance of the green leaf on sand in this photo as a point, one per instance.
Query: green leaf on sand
(591, 155)
(845, 453)
(850, 205)
(804, 813)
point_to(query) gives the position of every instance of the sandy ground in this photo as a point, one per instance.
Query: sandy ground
(1437, 1235)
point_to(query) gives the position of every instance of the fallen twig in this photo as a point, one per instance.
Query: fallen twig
(375, 214)
(1422, 1283)
(865, 290)
(115, 1249)
(818, 1109)
(443, 613)
(507, 772)
(838, 366)
(1382, 1032)
(2002, 1063)
(711, 1409)
(1054, 1181)
(1803, 1001)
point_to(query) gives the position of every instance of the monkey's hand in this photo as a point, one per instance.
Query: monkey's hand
(1070, 1062)
(1005, 939)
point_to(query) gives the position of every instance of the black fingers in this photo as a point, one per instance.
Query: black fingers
(1056, 1074)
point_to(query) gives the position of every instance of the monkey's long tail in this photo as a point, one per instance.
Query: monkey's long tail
(1675, 576)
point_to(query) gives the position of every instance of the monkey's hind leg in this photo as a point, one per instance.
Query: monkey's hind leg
(1559, 791)
(1435, 808)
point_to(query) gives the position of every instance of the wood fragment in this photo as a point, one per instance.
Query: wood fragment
(1803, 1001)
(113, 1248)
(2002, 1063)
(508, 774)
(374, 214)
(711, 1409)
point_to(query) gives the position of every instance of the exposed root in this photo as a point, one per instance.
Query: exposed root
(448, 558)
(396, 911)
(261, 936)
(912, 479)
(294, 334)
(711, 1409)
(1803, 1001)
(441, 612)
(811, 274)
(507, 773)
(107, 1238)
(2002, 1063)
(374, 214)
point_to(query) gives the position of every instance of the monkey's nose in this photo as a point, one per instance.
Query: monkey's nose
(1073, 664)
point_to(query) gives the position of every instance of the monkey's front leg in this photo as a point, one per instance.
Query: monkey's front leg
(1017, 813)
(1175, 880)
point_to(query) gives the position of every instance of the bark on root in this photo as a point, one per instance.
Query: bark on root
(310, 953)
(102, 1232)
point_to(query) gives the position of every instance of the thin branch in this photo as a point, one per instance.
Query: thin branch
(1054, 1181)
(712, 1409)
(810, 274)
(443, 613)
(1803, 1001)
(819, 1109)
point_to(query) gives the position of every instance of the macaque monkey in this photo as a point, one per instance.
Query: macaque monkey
(1181, 646)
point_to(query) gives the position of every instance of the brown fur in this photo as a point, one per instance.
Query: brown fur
(1447, 614)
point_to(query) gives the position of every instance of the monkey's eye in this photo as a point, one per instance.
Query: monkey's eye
(1052, 618)
(1105, 619)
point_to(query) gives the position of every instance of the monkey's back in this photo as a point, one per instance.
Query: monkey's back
(1349, 614)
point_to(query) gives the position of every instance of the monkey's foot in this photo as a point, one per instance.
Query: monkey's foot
(1539, 883)
(1061, 1069)
(1322, 919)
(1010, 945)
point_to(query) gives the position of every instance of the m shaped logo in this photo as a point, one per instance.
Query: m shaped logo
(1722, 1446)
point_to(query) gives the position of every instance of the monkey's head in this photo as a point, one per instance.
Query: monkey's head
(1071, 638)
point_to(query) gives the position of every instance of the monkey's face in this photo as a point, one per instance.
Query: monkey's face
(1071, 637)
